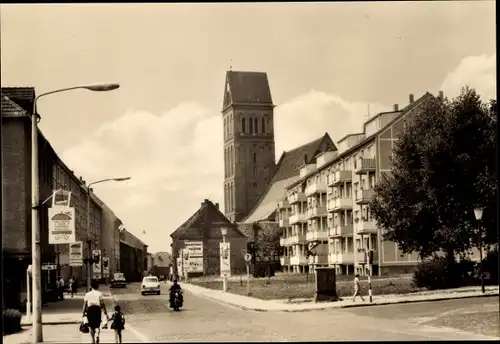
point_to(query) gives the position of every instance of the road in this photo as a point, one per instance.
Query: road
(206, 320)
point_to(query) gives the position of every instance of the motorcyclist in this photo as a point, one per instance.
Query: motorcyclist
(176, 288)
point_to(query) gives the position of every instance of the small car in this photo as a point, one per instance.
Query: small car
(150, 285)
(118, 280)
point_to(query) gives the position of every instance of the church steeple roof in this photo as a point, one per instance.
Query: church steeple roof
(247, 88)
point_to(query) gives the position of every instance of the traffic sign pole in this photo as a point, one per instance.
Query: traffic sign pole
(248, 257)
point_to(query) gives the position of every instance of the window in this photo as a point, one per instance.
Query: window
(250, 124)
(243, 126)
(264, 120)
(256, 125)
(225, 128)
(254, 157)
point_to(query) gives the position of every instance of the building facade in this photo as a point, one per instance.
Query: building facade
(133, 256)
(110, 237)
(249, 155)
(205, 226)
(16, 107)
(326, 212)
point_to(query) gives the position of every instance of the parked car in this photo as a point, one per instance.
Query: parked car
(150, 285)
(118, 280)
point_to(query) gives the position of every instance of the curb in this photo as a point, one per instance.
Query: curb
(381, 303)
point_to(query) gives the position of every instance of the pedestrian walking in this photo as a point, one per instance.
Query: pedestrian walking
(71, 288)
(118, 323)
(93, 305)
(357, 289)
(61, 288)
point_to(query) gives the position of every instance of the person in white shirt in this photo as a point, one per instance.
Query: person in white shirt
(61, 288)
(92, 304)
(357, 289)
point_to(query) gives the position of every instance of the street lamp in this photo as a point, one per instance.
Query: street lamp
(35, 207)
(478, 213)
(89, 239)
(223, 231)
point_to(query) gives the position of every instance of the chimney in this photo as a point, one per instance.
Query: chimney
(412, 98)
(396, 107)
(441, 95)
(305, 159)
(81, 179)
(217, 206)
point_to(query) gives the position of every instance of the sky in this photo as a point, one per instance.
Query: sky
(330, 66)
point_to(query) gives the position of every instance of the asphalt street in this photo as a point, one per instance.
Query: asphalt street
(150, 318)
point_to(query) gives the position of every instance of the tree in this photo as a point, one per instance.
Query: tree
(267, 243)
(443, 165)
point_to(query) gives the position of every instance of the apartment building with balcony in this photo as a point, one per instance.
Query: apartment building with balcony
(288, 209)
(350, 175)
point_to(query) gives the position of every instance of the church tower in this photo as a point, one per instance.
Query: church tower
(249, 157)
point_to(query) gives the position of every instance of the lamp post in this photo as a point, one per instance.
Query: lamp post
(478, 213)
(35, 207)
(223, 231)
(89, 239)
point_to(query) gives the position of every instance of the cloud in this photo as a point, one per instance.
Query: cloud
(175, 158)
(478, 72)
(310, 115)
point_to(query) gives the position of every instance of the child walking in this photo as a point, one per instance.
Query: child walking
(118, 323)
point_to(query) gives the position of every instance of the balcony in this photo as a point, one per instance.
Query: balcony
(284, 261)
(316, 188)
(317, 211)
(316, 235)
(319, 259)
(365, 166)
(298, 260)
(296, 197)
(297, 239)
(284, 221)
(340, 231)
(285, 241)
(360, 257)
(364, 196)
(339, 177)
(341, 258)
(340, 204)
(366, 227)
(297, 218)
(283, 204)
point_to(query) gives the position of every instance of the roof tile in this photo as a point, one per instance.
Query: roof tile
(247, 87)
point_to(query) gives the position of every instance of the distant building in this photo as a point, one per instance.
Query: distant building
(205, 226)
(133, 256)
(160, 263)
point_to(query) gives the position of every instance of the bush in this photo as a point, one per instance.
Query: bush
(11, 321)
(438, 273)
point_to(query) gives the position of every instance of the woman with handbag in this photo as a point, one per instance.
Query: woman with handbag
(93, 305)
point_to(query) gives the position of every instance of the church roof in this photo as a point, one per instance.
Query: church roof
(287, 172)
(206, 222)
(247, 88)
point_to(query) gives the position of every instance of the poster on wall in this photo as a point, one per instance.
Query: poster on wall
(96, 265)
(225, 259)
(62, 225)
(76, 254)
(195, 256)
(105, 267)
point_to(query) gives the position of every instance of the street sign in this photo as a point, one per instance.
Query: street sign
(248, 257)
(225, 259)
(61, 225)
(76, 254)
(49, 267)
(61, 198)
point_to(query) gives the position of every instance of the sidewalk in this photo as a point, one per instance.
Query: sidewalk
(250, 303)
(69, 311)
(68, 333)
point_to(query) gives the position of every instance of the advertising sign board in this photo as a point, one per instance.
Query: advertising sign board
(225, 259)
(61, 225)
(76, 254)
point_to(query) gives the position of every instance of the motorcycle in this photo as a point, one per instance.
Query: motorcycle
(176, 301)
